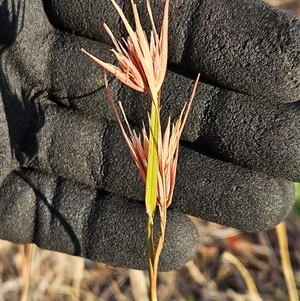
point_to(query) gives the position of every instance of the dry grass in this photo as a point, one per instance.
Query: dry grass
(229, 266)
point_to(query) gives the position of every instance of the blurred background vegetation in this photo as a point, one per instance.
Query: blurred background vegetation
(296, 209)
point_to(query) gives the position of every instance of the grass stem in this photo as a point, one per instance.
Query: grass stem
(286, 261)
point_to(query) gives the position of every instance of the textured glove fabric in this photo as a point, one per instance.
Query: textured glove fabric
(71, 218)
(244, 45)
(68, 182)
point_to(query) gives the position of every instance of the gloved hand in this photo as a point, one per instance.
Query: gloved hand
(68, 182)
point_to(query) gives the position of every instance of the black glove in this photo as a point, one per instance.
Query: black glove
(68, 181)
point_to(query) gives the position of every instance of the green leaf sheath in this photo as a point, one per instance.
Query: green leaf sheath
(151, 180)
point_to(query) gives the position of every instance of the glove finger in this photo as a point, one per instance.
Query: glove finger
(71, 218)
(5, 147)
(245, 45)
(14, 69)
(238, 127)
(208, 187)
(25, 58)
(258, 135)
(228, 194)
(95, 154)
(77, 83)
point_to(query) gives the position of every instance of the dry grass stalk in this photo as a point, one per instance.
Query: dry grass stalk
(78, 275)
(167, 284)
(53, 273)
(286, 262)
(194, 271)
(245, 274)
(264, 241)
(27, 254)
(139, 285)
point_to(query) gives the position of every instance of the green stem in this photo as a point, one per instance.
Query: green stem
(151, 180)
(151, 262)
(151, 190)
